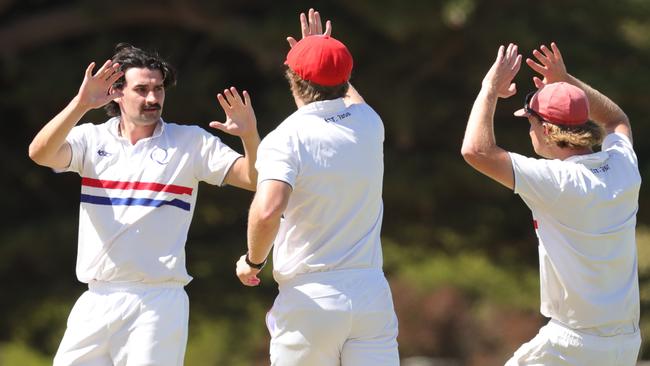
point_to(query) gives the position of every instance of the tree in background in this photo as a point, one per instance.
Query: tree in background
(459, 251)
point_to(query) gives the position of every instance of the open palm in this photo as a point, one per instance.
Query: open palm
(240, 117)
(311, 25)
(95, 90)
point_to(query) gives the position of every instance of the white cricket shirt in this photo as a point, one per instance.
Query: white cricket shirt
(584, 209)
(137, 200)
(332, 156)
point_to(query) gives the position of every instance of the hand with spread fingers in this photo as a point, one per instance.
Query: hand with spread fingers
(311, 25)
(96, 90)
(499, 77)
(550, 66)
(240, 116)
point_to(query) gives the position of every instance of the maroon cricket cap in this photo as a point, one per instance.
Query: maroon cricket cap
(322, 60)
(559, 103)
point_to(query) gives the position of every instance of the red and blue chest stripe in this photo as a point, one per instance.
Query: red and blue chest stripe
(135, 186)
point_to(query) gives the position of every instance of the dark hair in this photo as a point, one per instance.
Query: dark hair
(129, 56)
(310, 92)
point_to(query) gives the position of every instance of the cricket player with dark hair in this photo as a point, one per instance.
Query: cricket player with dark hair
(584, 204)
(319, 205)
(139, 181)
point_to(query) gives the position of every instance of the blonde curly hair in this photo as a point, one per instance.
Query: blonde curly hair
(588, 134)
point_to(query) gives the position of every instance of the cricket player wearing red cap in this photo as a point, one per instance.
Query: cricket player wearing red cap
(584, 204)
(319, 205)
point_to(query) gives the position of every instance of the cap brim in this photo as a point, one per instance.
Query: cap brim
(521, 113)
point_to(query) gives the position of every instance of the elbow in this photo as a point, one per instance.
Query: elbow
(35, 153)
(41, 156)
(475, 157)
(270, 202)
(470, 153)
(466, 151)
(264, 220)
(269, 214)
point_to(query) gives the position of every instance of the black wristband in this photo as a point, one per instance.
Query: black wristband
(254, 265)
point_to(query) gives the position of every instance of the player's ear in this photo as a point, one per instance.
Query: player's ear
(111, 90)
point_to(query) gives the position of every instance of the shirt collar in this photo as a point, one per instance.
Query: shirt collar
(589, 159)
(323, 106)
(114, 127)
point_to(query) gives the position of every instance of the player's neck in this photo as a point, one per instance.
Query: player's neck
(135, 132)
(298, 100)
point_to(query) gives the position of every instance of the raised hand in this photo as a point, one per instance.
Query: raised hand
(499, 77)
(551, 65)
(311, 25)
(95, 90)
(240, 117)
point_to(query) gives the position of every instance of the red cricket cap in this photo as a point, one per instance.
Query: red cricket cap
(559, 103)
(322, 60)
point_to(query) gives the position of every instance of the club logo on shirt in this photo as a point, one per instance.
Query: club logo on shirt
(103, 153)
(160, 156)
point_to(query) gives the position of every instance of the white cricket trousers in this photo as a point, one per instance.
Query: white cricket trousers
(334, 318)
(555, 344)
(126, 325)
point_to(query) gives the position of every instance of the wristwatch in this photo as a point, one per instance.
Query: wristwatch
(255, 265)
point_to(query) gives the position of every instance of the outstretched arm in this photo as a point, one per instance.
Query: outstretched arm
(602, 110)
(240, 121)
(479, 145)
(49, 147)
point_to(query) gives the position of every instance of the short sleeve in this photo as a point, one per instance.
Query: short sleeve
(619, 143)
(278, 158)
(537, 180)
(77, 138)
(214, 158)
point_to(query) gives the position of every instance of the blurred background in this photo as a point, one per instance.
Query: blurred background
(460, 250)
